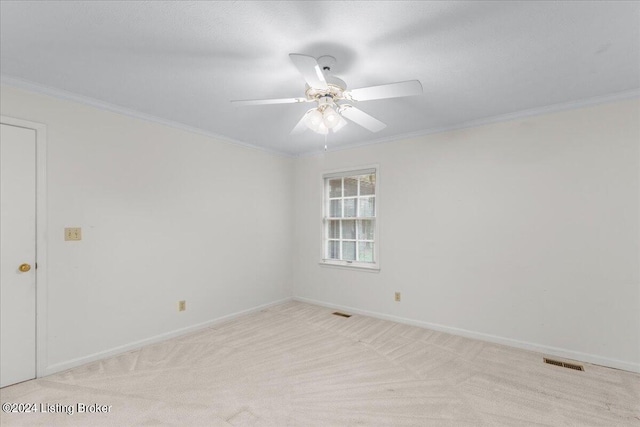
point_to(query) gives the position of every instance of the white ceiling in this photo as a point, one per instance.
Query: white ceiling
(184, 61)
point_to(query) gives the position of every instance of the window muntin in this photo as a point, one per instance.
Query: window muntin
(350, 218)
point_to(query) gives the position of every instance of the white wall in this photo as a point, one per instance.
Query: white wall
(166, 215)
(523, 232)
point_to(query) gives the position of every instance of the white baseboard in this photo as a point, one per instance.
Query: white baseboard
(63, 366)
(547, 350)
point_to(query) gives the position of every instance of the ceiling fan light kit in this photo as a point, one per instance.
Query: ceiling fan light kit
(324, 117)
(333, 99)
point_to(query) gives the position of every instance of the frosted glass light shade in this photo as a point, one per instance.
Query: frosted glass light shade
(322, 129)
(313, 120)
(331, 118)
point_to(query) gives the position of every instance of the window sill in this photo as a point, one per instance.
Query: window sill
(373, 268)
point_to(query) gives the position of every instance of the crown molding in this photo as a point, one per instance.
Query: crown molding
(96, 103)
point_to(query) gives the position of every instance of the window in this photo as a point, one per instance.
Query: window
(350, 228)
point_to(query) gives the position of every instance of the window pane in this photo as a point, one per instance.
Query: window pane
(365, 252)
(367, 206)
(335, 187)
(350, 187)
(367, 185)
(365, 229)
(351, 200)
(334, 249)
(349, 251)
(350, 207)
(335, 210)
(334, 229)
(349, 229)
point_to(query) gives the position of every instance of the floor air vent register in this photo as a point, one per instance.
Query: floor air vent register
(337, 313)
(562, 364)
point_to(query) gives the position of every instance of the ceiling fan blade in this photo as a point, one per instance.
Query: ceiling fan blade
(269, 101)
(310, 70)
(391, 90)
(363, 119)
(301, 126)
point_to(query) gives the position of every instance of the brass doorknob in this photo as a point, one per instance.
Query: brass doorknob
(24, 268)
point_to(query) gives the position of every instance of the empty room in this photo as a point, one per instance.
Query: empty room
(320, 213)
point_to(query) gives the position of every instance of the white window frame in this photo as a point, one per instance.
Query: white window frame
(358, 265)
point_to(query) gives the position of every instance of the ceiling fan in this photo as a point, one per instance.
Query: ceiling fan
(333, 100)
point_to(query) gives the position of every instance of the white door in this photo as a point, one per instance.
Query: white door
(17, 254)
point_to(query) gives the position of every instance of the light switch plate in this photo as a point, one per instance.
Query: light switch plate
(73, 233)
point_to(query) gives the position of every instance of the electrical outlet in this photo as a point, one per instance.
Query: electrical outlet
(398, 296)
(182, 305)
(73, 233)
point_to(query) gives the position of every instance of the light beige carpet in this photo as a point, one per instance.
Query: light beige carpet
(298, 365)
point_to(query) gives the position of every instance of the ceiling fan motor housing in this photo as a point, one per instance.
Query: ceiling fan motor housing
(325, 102)
(335, 89)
